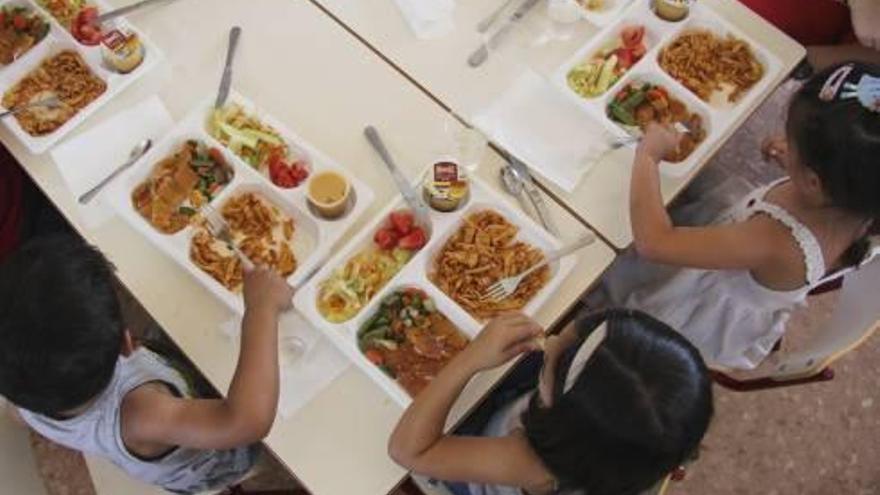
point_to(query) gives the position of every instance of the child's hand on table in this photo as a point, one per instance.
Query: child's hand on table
(658, 141)
(263, 288)
(503, 339)
(775, 148)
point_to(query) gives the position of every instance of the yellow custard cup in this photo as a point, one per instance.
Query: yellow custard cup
(328, 193)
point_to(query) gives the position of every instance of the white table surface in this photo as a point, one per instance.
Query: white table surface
(438, 65)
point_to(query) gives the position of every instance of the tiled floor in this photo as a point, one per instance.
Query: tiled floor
(817, 439)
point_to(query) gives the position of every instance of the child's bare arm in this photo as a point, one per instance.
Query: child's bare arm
(248, 411)
(745, 245)
(12, 413)
(418, 442)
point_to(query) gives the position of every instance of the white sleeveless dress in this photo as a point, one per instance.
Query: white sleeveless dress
(732, 319)
(97, 432)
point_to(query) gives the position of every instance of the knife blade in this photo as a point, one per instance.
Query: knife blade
(113, 14)
(420, 210)
(481, 54)
(226, 80)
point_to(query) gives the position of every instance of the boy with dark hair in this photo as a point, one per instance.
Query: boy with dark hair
(68, 363)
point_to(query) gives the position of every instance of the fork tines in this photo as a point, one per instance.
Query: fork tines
(498, 291)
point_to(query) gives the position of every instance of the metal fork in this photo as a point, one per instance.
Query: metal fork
(219, 228)
(632, 138)
(506, 287)
(51, 103)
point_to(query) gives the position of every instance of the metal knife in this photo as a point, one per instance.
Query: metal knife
(226, 80)
(113, 14)
(486, 23)
(534, 195)
(420, 210)
(481, 54)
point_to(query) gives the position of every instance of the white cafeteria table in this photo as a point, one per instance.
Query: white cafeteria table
(438, 65)
(308, 72)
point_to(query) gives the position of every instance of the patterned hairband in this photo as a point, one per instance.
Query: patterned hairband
(867, 90)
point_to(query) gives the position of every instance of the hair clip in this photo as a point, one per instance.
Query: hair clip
(834, 83)
(867, 91)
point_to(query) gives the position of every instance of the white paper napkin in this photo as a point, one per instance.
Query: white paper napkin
(86, 159)
(534, 121)
(305, 370)
(428, 18)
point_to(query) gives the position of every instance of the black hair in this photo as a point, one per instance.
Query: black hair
(839, 140)
(638, 409)
(61, 326)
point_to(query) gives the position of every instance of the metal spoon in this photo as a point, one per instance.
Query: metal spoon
(136, 152)
(52, 102)
(521, 171)
(512, 184)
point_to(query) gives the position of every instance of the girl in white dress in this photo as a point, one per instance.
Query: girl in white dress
(731, 286)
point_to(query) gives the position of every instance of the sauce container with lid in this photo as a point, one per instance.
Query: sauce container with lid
(672, 10)
(122, 50)
(446, 186)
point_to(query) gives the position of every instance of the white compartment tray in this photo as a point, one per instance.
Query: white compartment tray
(59, 39)
(718, 119)
(415, 274)
(314, 237)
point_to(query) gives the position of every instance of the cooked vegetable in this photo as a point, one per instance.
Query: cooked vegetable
(20, 29)
(259, 145)
(409, 339)
(353, 285)
(639, 104)
(596, 75)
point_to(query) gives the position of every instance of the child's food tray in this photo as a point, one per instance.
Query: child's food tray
(640, 52)
(257, 211)
(95, 71)
(362, 261)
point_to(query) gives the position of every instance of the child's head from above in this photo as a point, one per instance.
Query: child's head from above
(637, 410)
(834, 139)
(62, 329)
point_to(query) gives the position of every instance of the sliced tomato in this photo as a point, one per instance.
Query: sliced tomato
(655, 93)
(84, 28)
(402, 221)
(416, 292)
(414, 241)
(300, 170)
(374, 357)
(386, 239)
(2, 18)
(281, 175)
(284, 175)
(216, 155)
(19, 22)
(631, 36)
(625, 58)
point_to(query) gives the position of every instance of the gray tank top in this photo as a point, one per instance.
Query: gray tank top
(97, 432)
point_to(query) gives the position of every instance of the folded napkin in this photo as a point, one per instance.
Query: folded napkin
(538, 124)
(309, 361)
(86, 159)
(428, 18)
